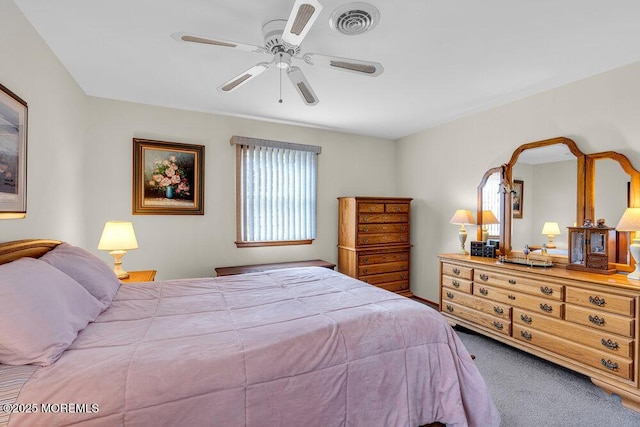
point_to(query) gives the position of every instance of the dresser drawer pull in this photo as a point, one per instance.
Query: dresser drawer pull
(404, 276)
(526, 335)
(512, 297)
(498, 310)
(512, 281)
(484, 277)
(611, 345)
(365, 229)
(612, 366)
(365, 240)
(526, 319)
(546, 308)
(403, 267)
(365, 218)
(596, 320)
(483, 291)
(449, 308)
(456, 271)
(498, 325)
(404, 258)
(449, 295)
(455, 284)
(365, 260)
(596, 301)
(546, 290)
(403, 228)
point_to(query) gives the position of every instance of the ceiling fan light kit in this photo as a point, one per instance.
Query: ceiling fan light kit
(282, 40)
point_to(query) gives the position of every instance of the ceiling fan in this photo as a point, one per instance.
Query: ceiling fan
(282, 39)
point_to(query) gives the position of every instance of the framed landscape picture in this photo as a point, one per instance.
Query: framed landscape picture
(517, 198)
(13, 155)
(168, 178)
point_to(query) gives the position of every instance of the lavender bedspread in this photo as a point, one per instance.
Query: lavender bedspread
(293, 347)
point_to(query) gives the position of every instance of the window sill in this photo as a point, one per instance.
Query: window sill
(273, 243)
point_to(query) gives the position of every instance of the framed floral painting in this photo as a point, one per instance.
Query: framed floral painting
(13, 155)
(168, 178)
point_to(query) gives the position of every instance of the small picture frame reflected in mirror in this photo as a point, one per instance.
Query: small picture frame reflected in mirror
(517, 198)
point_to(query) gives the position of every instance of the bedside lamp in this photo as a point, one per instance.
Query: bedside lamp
(550, 229)
(487, 218)
(462, 217)
(118, 237)
(630, 221)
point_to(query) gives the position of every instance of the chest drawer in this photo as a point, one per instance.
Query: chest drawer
(371, 207)
(599, 340)
(382, 218)
(516, 299)
(604, 321)
(485, 306)
(377, 239)
(520, 284)
(383, 228)
(376, 279)
(396, 207)
(383, 268)
(606, 362)
(383, 258)
(457, 271)
(461, 285)
(619, 304)
(494, 323)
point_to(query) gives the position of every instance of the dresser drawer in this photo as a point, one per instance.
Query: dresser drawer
(383, 268)
(520, 284)
(400, 285)
(457, 271)
(382, 218)
(371, 207)
(619, 304)
(494, 323)
(383, 228)
(461, 285)
(378, 239)
(606, 362)
(383, 258)
(485, 306)
(377, 279)
(599, 340)
(396, 207)
(604, 321)
(516, 299)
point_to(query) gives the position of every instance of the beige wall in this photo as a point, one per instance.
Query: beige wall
(442, 167)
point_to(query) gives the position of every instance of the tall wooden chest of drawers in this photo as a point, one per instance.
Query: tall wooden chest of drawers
(584, 321)
(374, 241)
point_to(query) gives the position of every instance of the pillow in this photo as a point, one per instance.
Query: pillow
(85, 268)
(41, 311)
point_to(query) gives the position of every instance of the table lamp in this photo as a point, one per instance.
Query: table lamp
(630, 221)
(551, 229)
(462, 217)
(487, 218)
(118, 237)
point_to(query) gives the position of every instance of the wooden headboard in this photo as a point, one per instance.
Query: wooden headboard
(34, 248)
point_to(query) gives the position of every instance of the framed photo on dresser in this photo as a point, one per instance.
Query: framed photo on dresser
(13, 155)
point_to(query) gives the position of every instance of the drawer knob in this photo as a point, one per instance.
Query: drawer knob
(403, 267)
(365, 240)
(612, 366)
(526, 319)
(483, 291)
(512, 281)
(365, 271)
(365, 229)
(498, 325)
(455, 284)
(450, 308)
(546, 290)
(449, 295)
(403, 228)
(498, 310)
(365, 218)
(596, 320)
(546, 308)
(404, 257)
(512, 297)
(365, 260)
(526, 335)
(611, 345)
(597, 301)
(403, 276)
(456, 271)
(484, 277)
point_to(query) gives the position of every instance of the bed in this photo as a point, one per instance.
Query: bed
(290, 347)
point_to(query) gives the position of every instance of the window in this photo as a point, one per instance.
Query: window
(275, 192)
(491, 196)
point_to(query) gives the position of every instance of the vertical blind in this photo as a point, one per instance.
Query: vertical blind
(277, 194)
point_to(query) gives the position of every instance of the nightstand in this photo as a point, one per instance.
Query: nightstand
(140, 276)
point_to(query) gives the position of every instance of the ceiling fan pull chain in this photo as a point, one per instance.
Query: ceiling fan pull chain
(280, 68)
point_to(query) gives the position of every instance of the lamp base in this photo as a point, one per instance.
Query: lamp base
(117, 264)
(462, 236)
(634, 248)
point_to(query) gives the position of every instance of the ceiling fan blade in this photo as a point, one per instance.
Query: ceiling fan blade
(367, 68)
(194, 38)
(302, 86)
(244, 77)
(302, 17)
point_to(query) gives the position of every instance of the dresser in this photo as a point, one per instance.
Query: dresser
(584, 321)
(374, 241)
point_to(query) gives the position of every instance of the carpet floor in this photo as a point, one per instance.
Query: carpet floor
(531, 392)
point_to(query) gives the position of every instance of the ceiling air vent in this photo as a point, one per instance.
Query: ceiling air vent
(354, 18)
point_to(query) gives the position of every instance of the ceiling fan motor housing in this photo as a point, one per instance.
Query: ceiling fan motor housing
(272, 32)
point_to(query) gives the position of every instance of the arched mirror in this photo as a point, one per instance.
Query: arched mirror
(612, 184)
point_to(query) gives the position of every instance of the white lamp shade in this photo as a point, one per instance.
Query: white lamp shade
(118, 235)
(462, 216)
(630, 220)
(489, 218)
(551, 229)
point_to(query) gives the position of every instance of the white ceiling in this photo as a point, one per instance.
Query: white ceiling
(443, 59)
